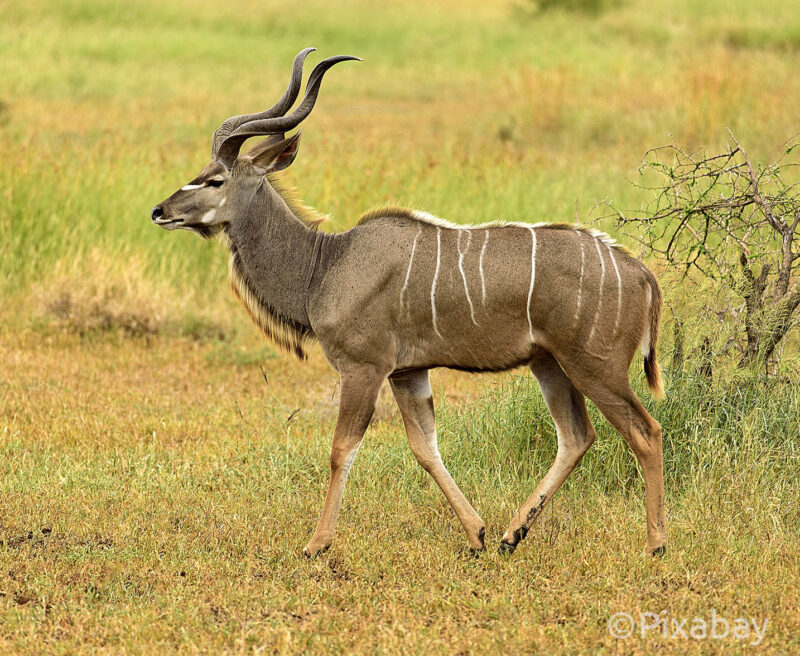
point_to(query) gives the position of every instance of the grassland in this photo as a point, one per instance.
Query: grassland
(160, 468)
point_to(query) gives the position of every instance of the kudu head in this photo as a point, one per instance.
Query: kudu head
(210, 202)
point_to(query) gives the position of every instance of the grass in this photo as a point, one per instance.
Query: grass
(162, 468)
(175, 502)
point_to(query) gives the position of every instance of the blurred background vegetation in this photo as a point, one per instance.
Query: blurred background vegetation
(471, 110)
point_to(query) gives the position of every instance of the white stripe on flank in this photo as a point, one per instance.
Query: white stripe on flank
(600, 292)
(435, 278)
(580, 283)
(533, 277)
(410, 263)
(191, 187)
(646, 336)
(619, 291)
(461, 269)
(480, 267)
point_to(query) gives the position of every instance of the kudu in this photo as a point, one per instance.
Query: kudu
(404, 291)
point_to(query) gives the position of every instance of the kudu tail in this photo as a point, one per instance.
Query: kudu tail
(650, 339)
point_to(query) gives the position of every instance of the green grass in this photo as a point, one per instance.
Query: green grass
(177, 464)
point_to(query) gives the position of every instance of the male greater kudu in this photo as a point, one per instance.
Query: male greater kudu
(404, 291)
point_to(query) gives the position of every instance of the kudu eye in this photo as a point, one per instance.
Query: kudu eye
(216, 182)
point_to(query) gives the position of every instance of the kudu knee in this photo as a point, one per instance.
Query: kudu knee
(646, 440)
(342, 457)
(427, 460)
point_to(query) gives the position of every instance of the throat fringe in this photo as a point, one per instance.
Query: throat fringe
(282, 332)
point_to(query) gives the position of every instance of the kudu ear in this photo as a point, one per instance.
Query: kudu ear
(274, 154)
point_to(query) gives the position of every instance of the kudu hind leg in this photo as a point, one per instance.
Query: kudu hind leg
(359, 392)
(575, 435)
(625, 412)
(413, 394)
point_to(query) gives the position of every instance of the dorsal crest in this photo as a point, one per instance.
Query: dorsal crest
(395, 211)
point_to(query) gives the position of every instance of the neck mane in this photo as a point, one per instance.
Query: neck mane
(308, 215)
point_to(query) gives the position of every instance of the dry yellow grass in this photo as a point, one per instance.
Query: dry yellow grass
(154, 500)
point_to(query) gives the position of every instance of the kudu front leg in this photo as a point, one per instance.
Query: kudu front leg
(359, 391)
(412, 391)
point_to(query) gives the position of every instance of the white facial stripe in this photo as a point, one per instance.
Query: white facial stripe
(533, 277)
(580, 283)
(222, 202)
(208, 217)
(435, 278)
(461, 269)
(191, 187)
(600, 292)
(619, 291)
(410, 263)
(480, 266)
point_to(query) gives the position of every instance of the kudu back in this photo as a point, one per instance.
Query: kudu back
(404, 291)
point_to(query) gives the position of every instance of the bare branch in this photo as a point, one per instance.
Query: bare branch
(765, 205)
(725, 218)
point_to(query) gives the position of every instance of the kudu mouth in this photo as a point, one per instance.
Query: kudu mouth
(170, 224)
(206, 231)
(164, 220)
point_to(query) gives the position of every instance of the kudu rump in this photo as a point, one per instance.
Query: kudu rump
(404, 291)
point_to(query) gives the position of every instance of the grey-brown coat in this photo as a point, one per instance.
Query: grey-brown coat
(404, 291)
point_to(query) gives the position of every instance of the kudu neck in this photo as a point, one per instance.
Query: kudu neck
(275, 254)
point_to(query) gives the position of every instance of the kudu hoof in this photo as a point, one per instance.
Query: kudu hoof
(659, 551)
(313, 553)
(475, 552)
(506, 548)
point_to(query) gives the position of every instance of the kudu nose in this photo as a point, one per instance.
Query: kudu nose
(157, 213)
